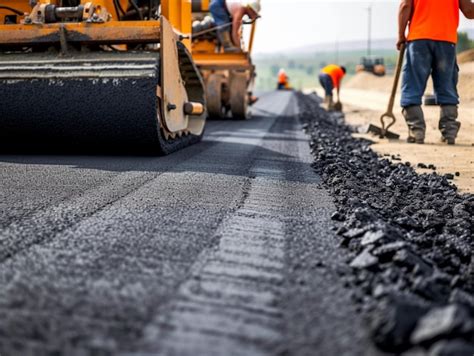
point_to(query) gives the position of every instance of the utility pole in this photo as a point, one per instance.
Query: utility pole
(369, 41)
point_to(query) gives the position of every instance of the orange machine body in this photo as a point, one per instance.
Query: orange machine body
(178, 13)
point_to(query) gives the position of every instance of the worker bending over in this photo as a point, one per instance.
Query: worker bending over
(331, 77)
(226, 12)
(282, 80)
(431, 51)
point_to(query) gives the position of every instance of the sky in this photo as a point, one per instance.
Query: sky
(287, 24)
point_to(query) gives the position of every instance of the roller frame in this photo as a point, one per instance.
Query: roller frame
(180, 112)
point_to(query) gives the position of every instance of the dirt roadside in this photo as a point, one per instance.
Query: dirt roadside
(365, 98)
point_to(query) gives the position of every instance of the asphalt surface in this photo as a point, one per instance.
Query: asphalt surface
(224, 248)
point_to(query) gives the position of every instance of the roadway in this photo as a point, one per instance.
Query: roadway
(224, 248)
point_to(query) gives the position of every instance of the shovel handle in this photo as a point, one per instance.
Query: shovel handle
(389, 114)
(398, 72)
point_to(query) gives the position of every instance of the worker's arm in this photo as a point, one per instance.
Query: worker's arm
(237, 25)
(404, 17)
(339, 83)
(467, 8)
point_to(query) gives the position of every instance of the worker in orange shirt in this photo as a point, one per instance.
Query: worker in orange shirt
(228, 16)
(331, 77)
(282, 79)
(431, 51)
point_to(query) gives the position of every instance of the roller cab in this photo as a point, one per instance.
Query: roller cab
(228, 77)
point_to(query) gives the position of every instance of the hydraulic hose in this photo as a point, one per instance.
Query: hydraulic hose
(15, 11)
(136, 8)
(116, 9)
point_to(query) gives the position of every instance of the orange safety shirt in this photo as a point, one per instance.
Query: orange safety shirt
(436, 20)
(282, 78)
(335, 72)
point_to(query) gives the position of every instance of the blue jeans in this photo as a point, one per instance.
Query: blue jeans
(326, 82)
(219, 12)
(427, 58)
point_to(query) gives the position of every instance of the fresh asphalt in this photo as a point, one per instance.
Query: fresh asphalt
(224, 248)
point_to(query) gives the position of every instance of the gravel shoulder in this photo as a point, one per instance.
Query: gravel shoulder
(411, 239)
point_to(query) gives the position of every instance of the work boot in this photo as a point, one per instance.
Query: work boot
(330, 102)
(415, 120)
(226, 42)
(328, 99)
(448, 125)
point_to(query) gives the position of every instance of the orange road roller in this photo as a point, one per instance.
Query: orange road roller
(108, 73)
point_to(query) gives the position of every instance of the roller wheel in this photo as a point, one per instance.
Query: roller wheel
(239, 99)
(98, 102)
(214, 89)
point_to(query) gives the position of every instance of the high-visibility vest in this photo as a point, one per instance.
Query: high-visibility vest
(282, 78)
(335, 72)
(436, 20)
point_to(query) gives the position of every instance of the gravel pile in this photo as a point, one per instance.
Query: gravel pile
(411, 241)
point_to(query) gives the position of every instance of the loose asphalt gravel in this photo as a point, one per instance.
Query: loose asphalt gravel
(224, 248)
(411, 237)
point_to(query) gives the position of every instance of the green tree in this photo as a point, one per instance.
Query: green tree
(274, 69)
(464, 42)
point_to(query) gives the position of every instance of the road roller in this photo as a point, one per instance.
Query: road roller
(99, 73)
(229, 77)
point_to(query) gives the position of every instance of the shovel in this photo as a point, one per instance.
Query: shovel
(338, 105)
(383, 131)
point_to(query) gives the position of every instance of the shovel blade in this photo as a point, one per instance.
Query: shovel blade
(379, 132)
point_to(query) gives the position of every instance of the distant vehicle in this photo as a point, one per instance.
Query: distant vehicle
(430, 100)
(374, 65)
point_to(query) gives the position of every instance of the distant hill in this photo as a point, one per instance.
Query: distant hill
(350, 46)
(346, 46)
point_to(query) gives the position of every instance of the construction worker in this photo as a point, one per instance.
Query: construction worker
(282, 79)
(331, 77)
(431, 51)
(227, 12)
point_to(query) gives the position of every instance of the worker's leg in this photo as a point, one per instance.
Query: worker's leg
(326, 82)
(448, 125)
(221, 18)
(445, 80)
(415, 120)
(416, 71)
(219, 13)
